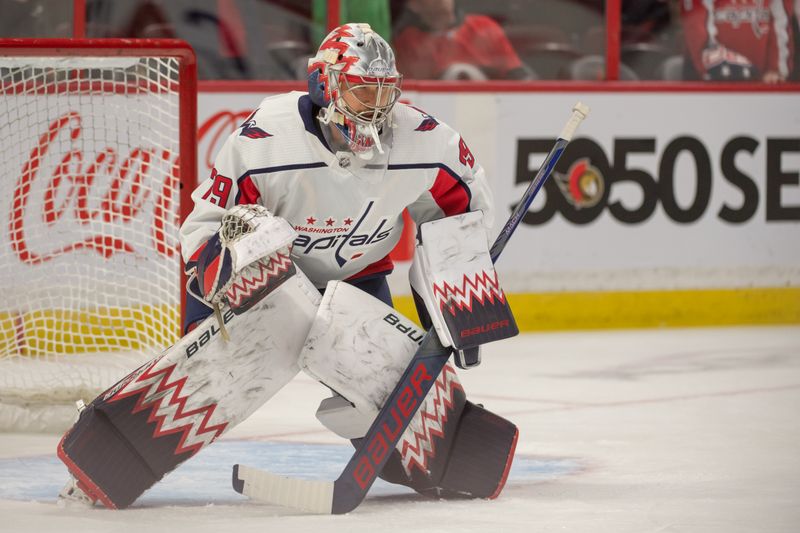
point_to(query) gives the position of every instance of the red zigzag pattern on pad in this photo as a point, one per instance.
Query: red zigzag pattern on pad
(277, 265)
(419, 446)
(171, 418)
(481, 287)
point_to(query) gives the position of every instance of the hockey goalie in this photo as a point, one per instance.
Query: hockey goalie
(288, 252)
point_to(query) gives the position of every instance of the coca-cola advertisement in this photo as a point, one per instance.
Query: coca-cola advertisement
(91, 190)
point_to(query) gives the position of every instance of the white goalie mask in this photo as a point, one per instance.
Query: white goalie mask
(353, 78)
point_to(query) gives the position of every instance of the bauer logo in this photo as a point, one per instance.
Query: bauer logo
(403, 407)
(406, 329)
(485, 328)
(208, 334)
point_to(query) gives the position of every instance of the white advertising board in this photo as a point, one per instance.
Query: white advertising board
(691, 189)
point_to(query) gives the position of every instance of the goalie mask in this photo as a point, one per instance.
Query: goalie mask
(354, 80)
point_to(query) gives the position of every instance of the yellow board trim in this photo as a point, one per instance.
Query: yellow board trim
(647, 309)
(116, 329)
(102, 329)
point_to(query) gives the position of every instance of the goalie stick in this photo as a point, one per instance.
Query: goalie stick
(349, 489)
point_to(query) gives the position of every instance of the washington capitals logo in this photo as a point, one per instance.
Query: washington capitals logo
(428, 122)
(341, 238)
(251, 131)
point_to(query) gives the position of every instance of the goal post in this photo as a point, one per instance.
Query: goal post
(98, 162)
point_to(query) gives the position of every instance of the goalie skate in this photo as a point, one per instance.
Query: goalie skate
(73, 495)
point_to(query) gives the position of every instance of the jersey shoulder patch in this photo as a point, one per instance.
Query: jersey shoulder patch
(428, 122)
(422, 138)
(275, 114)
(413, 118)
(252, 131)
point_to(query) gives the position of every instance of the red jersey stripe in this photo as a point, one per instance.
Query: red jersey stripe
(450, 194)
(248, 192)
(383, 265)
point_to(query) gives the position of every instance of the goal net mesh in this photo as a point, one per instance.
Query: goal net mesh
(89, 260)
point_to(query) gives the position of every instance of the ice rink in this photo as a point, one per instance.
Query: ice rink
(691, 430)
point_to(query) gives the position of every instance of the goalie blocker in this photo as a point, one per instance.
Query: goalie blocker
(456, 289)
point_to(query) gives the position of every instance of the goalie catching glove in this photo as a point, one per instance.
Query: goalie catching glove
(456, 288)
(246, 259)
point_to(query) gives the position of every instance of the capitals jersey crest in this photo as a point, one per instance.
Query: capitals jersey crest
(346, 239)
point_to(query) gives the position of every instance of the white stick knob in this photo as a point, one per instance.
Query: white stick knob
(579, 112)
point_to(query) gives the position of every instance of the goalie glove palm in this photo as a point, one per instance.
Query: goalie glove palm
(246, 259)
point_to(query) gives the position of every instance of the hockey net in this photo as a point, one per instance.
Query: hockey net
(96, 137)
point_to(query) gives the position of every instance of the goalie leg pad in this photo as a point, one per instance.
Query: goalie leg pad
(359, 347)
(169, 409)
(107, 466)
(453, 448)
(481, 455)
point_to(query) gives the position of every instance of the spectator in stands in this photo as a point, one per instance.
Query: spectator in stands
(644, 20)
(433, 40)
(738, 40)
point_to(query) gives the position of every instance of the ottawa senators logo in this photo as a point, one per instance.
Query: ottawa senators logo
(583, 185)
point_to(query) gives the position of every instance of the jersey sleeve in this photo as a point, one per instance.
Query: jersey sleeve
(229, 184)
(460, 186)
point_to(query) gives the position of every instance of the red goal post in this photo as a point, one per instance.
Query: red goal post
(98, 159)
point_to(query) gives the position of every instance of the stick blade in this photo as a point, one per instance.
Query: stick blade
(308, 495)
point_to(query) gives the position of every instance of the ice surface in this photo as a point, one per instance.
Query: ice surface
(693, 430)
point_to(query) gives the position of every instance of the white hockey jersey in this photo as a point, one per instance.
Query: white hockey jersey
(346, 224)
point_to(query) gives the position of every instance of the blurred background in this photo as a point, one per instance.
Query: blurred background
(477, 40)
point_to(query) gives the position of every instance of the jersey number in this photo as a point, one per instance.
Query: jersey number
(464, 155)
(219, 191)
